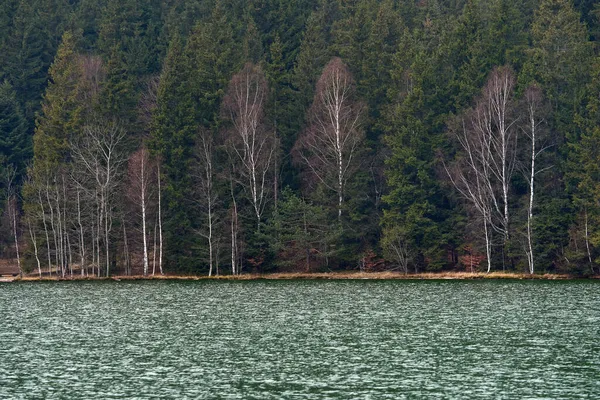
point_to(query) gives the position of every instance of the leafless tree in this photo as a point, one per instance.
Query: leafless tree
(12, 206)
(396, 245)
(497, 122)
(249, 139)
(207, 198)
(148, 100)
(483, 170)
(140, 191)
(99, 153)
(160, 230)
(532, 128)
(329, 146)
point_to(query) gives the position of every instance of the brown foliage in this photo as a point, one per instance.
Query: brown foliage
(329, 145)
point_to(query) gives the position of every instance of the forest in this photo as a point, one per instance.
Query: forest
(227, 137)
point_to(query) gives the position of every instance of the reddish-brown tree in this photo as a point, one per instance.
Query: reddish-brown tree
(328, 147)
(249, 140)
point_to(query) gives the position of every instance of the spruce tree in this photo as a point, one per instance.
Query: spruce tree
(15, 141)
(173, 128)
(25, 59)
(62, 110)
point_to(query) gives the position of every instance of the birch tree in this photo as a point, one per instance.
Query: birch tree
(328, 148)
(487, 138)
(12, 207)
(139, 191)
(534, 109)
(99, 153)
(207, 197)
(249, 140)
(497, 122)
(470, 175)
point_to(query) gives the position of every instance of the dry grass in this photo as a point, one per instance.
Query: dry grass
(315, 276)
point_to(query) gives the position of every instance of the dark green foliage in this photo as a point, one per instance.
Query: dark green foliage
(172, 140)
(416, 64)
(301, 234)
(134, 27)
(63, 111)
(15, 141)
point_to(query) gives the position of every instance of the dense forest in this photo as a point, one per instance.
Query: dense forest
(226, 136)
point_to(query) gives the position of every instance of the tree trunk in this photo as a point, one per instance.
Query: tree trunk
(160, 235)
(46, 233)
(81, 235)
(143, 197)
(15, 233)
(35, 248)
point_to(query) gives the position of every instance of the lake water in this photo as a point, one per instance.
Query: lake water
(300, 340)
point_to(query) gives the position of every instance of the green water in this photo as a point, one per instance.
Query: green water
(300, 339)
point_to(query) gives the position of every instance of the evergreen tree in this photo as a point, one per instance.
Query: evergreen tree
(133, 26)
(118, 96)
(15, 141)
(172, 135)
(25, 61)
(281, 111)
(62, 109)
(585, 176)
(559, 60)
(314, 54)
(416, 203)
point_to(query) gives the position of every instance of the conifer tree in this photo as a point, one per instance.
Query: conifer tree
(62, 109)
(15, 142)
(26, 58)
(172, 139)
(313, 55)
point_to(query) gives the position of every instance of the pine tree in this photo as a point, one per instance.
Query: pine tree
(559, 61)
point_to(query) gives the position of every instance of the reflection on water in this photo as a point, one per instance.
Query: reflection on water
(300, 339)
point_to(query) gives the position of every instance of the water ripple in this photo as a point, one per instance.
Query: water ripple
(300, 339)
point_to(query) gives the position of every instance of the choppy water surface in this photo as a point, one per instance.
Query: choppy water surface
(300, 339)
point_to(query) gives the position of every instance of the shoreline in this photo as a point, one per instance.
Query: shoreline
(310, 276)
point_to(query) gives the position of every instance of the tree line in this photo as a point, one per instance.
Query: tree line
(220, 137)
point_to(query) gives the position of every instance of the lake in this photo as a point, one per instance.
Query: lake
(300, 339)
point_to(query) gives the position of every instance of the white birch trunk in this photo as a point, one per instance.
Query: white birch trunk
(53, 226)
(531, 193)
(143, 198)
(154, 251)
(35, 248)
(46, 233)
(15, 233)
(160, 234)
(81, 234)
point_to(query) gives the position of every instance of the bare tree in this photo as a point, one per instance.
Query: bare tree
(482, 172)
(148, 100)
(497, 122)
(330, 144)
(139, 191)
(534, 108)
(397, 248)
(204, 174)
(12, 206)
(249, 139)
(99, 153)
